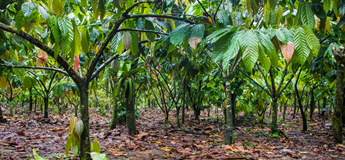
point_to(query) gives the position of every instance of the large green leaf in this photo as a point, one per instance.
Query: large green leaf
(66, 43)
(43, 13)
(179, 33)
(85, 40)
(20, 20)
(287, 35)
(302, 50)
(232, 51)
(307, 15)
(280, 36)
(58, 7)
(312, 40)
(135, 40)
(264, 59)
(197, 31)
(63, 27)
(149, 26)
(250, 48)
(27, 8)
(266, 43)
(327, 5)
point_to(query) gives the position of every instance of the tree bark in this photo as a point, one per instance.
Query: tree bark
(1, 117)
(45, 107)
(312, 105)
(178, 117)
(114, 119)
(229, 120)
(284, 112)
(84, 110)
(130, 114)
(30, 101)
(337, 115)
(274, 125)
(106, 93)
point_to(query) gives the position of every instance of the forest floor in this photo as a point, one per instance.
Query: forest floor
(159, 139)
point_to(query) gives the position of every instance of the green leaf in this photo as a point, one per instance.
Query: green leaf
(341, 22)
(66, 43)
(307, 15)
(280, 36)
(287, 35)
(68, 145)
(95, 11)
(264, 60)
(63, 27)
(267, 43)
(135, 41)
(115, 41)
(27, 8)
(75, 150)
(327, 5)
(179, 33)
(43, 13)
(20, 20)
(232, 50)
(197, 31)
(76, 46)
(222, 17)
(312, 40)
(149, 26)
(215, 34)
(335, 6)
(101, 8)
(58, 7)
(37, 157)
(85, 40)
(96, 147)
(302, 50)
(98, 156)
(250, 49)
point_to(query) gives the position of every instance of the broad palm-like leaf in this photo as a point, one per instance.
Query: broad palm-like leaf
(312, 41)
(302, 50)
(250, 48)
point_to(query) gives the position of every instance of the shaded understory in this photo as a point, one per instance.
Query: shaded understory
(160, 139)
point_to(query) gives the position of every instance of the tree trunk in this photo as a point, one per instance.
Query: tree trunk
(97, 103)
(149, 103)
(106, 93)
(11, 107)
(318, 106)
(312, 105)
(274, 125)
(130, 114)
(300, 106)
(233, 107)
(294, 107)
(114, 117)
(196, 112)
(337, 117)
(84, 111)
(178, 117)
(228, 120)
(30, 101)
(45, 107)
(284, 112)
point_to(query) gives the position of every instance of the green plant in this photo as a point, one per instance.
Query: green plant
(247, 144)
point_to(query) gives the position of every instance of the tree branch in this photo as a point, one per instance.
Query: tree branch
(160, 16)
(107, 39)
(45, 48)
(100, 68)
(289, 80)
(33, 67)
(265, 78)
(254, 81)
(140, 30)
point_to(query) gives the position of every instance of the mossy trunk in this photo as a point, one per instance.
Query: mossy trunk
(114, 117)
(1, 117)
(130, 114)
(284, 112)
(300, 106)
(183, 103)
(196, 112)
(75, 110)
(233, 107)
(45, 99)
(178, 117)
(274, 125)
(337, 117)
(30, 101)
(84, 111)
(312, 105)
(294, 107)
(11, 108)
(229, 116)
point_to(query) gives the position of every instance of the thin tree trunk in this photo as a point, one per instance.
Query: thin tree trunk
(45, 107)
(97, 103)
(30, 101)
(229, 121)
(84, 111)
(114, 117)
(339, 94)
(233, 107)
(178, 117)
(312, 105)
(106, 93)
(274, 125)
(284, 112)
(130, 114)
